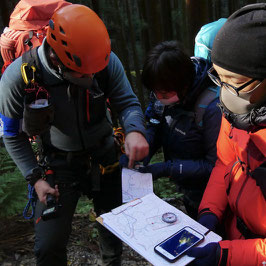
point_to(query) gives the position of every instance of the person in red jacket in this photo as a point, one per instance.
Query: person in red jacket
(235, 196)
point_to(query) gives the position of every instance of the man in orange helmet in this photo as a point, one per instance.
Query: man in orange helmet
(58, 92)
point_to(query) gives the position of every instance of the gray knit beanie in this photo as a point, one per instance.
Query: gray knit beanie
(240, 45)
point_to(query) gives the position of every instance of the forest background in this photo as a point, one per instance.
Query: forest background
(134, 26)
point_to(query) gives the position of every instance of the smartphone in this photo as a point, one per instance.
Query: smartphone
(176, 245)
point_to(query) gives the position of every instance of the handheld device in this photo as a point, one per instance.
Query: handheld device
(52, 208)
(52, 205)
(176, 245)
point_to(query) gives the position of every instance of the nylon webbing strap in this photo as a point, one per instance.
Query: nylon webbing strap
(109, 168)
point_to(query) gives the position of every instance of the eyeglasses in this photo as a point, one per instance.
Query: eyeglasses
(234, 90)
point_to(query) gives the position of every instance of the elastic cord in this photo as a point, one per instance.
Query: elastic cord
(31, 203)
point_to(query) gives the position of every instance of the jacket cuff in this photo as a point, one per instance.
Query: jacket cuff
(204, 212)
(224, 248)
(141, 131)
(34, 175)
(218, 254)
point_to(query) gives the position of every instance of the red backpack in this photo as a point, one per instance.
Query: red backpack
(27, 27)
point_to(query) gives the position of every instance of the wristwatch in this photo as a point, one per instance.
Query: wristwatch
(34, 175)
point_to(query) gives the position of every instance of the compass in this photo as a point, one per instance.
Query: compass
(169, 217)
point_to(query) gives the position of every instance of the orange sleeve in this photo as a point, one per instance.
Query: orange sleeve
(243, 252)
(215, 199)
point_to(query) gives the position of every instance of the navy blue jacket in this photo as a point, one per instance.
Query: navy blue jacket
(188, 144)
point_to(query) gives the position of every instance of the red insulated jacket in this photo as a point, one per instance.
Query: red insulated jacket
(231, 192)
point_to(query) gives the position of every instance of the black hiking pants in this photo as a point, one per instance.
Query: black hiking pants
(74, 177)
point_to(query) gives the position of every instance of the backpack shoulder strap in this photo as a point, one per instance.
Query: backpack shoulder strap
(102, 78)
(31, 57)
(206, 97)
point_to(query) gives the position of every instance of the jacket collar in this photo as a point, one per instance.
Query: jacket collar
(201, 81)
(250, 122)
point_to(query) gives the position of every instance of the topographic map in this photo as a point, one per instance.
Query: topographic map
(135, 184)
(139, 224)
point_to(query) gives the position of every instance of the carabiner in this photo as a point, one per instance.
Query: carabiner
(24, 73)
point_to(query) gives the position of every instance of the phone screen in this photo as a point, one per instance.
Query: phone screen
(180, 242)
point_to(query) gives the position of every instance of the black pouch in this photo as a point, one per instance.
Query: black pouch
(37, 119)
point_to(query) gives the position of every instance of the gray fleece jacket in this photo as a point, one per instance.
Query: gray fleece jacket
(70, 130)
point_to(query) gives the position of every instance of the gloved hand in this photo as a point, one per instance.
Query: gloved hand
(209, 220)
(208, 255)
(157, 169)
(146, 160)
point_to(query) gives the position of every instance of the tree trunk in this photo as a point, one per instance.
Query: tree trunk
(96, 7)
(154, 21)
(135, 56)
(216, 10)
(198, 14)
(233, 6)
(144, 32)
(166, 20)
(121, 41)
(193, 22)
(183, 18)
(177, 22)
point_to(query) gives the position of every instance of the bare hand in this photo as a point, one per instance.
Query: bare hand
(42, 188)
(136, 147)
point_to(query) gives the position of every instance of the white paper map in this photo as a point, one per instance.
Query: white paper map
(139, 224)
(135, 184)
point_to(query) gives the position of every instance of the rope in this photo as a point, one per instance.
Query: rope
(31, 203)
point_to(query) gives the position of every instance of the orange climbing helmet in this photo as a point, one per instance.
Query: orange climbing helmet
(79, 38)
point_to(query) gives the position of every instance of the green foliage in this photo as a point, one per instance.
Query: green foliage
(13, 189)
(93, 234)
(84, 205)
(164, 188)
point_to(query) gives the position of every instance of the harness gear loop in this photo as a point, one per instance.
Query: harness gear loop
(24, 73)
(109, 168)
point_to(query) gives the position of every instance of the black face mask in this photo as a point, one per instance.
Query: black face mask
(65, 73)
(251, 122)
